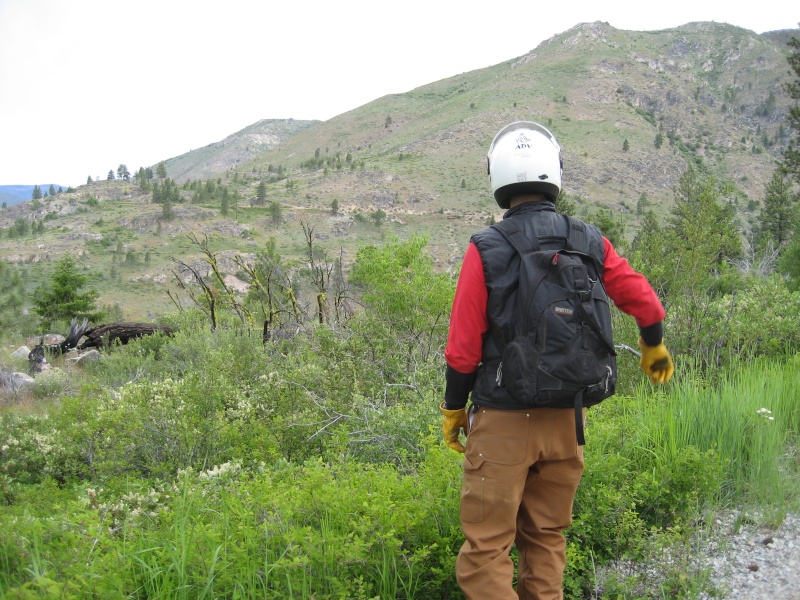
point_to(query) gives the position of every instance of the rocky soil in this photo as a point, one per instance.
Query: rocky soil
(752, 562)
(735, 557)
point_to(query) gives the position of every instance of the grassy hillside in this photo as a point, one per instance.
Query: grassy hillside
(707, 86)
(414, 163)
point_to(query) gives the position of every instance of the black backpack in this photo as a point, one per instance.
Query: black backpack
(562, 351)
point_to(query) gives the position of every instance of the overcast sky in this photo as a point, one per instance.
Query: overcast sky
(86, 85)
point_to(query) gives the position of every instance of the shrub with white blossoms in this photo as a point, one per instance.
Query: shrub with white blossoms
(226, 470)
(30, 447)
(133, 509)
(155, 427)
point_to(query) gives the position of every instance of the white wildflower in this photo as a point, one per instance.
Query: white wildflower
(765, 413)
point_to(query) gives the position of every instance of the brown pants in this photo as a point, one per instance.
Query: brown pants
(521, 471)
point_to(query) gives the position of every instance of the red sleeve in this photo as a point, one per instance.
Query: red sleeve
(468, 320)
(629, 290)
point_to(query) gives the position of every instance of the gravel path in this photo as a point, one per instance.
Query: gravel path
(757, 563)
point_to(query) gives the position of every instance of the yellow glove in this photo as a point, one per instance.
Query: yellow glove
(454, 422)
(656, 362)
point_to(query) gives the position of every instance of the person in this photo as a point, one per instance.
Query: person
(522, 466)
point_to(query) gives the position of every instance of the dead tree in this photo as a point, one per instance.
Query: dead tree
(211, 295)
(274, 292)
(320, 269)
(37, 357)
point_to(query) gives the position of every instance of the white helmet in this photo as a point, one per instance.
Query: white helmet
(524, 158)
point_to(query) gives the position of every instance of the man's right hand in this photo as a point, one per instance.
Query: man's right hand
(454, 422)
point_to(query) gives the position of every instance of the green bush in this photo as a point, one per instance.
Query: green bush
(53, 383)
(310, 530)
(761, 318)
(31, 449)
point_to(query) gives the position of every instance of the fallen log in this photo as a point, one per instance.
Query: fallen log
(95, 337)
(122, 332)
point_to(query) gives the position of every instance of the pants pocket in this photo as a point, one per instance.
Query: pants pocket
(499, 436)
(472, 493)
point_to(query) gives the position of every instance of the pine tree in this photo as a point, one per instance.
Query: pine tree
(224, 205)
(37, 193)
(699, 238)
(21, 227)
(642, 203)
(62, 299)
(790, 166)
(700, 219)
(167, 213)
(158, 197)
(779, 217)
(790, 162)
(613, 228)
(564, 205)
(235, 199)
(378, 217)
(261, 194)
(276, 212)
(12, 295)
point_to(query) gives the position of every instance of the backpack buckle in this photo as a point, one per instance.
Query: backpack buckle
(609, 375)
(604, 384)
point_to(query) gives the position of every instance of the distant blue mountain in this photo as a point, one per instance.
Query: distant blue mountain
(15, 194)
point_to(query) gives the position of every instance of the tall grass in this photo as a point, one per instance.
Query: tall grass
(750, 419)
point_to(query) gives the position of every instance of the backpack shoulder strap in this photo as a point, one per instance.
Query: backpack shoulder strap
(518, 240)
(577, 240)
(525, 247)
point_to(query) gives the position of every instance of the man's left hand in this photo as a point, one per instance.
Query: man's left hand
(656, 362)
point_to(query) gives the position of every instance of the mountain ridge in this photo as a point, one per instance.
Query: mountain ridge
(236, 149)
(415, 162)
(15, 194)
(589, 103)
